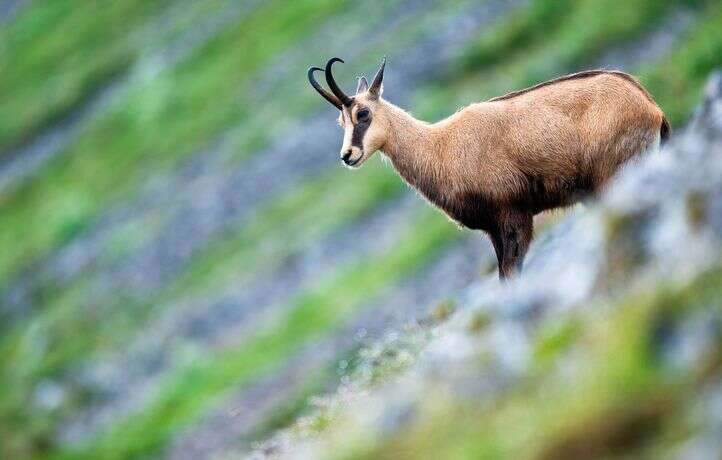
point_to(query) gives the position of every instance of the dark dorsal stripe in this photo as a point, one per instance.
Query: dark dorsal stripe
(574, 76)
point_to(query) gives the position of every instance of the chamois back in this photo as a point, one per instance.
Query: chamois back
(575, 76)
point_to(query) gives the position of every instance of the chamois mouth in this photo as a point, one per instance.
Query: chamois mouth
(350, 162)
(348, 157)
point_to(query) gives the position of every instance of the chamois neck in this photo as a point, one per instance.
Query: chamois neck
(412, 147)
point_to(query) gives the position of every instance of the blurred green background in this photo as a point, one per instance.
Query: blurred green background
(178, 240)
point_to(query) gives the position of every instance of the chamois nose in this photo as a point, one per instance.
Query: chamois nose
(346, 156)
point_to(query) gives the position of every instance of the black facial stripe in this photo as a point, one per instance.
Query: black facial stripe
(359, 131)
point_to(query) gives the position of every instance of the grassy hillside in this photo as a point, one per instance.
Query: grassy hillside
(187, 231)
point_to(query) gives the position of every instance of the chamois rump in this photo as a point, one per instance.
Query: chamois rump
(494, 165)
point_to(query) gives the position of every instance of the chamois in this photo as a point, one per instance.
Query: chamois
(494, 165)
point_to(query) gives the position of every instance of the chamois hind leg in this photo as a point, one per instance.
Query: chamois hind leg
(511, 240)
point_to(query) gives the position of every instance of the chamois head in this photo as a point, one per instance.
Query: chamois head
(362, 116)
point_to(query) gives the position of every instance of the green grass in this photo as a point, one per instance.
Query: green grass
(159, 122)
(313, 314)
(68, 319)
(303, 215)
(48, 71)
(588, 29)
(677, 80)
(74, 329)
(518, 30)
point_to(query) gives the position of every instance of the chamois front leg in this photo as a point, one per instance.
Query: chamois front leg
(511, 239)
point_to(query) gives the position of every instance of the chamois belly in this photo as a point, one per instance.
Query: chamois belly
(480, 211)
(473, 211)
(544, 193)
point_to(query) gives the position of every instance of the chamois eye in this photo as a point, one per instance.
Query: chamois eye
(363, 115)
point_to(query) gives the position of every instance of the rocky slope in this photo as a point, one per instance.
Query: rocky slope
(183, 263)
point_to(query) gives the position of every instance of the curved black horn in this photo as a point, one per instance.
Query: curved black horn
(378, 79)
(328, 96)
(345, 100)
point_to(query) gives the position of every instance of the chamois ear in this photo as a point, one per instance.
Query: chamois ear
(377, 86)
(363, 85)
